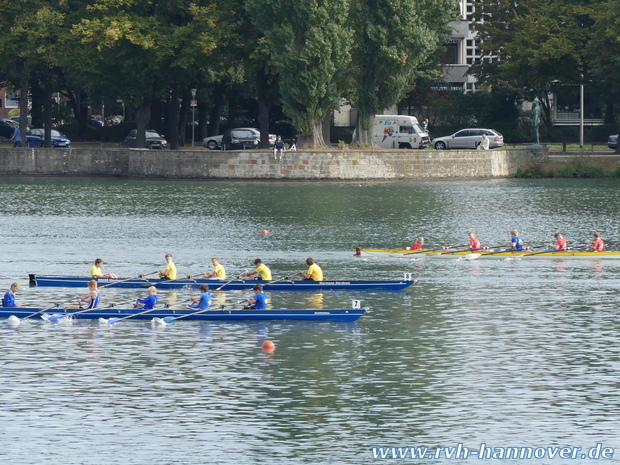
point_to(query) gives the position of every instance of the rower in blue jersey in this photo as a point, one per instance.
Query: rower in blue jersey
(515, 243)
(203, 299)
(9, 296)
(259, 302)
(149, 302)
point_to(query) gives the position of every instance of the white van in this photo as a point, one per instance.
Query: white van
(400, 132)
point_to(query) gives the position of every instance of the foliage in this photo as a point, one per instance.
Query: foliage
(393, 42)
(580, 166)
(310, 42)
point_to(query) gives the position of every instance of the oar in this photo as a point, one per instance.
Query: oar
(46, 309)
(170, 319)
(286, 278)
(228, 282)
(443, 249)
(116, 320)
(128, 279)
(172, 280)
(544, 251)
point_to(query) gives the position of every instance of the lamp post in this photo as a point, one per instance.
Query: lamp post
(193, 104)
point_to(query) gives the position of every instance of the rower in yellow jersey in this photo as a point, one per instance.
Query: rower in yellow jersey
(262, 271)
(171, 270)
(314, 272)
(218, 270)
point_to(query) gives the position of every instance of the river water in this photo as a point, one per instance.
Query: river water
(506, 353)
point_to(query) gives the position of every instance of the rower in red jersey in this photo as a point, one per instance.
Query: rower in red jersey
(417, 245)
(560, 242)
(474, 242)
(598, 245)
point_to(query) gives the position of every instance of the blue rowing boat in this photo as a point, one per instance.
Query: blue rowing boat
(235, 284)
(217, 314)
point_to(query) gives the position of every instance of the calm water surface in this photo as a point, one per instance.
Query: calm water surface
(502, 352)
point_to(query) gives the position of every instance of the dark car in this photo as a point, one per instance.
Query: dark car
(234, 139)
(36, 138)
(7, 126)
(153, 140)
(612, 142)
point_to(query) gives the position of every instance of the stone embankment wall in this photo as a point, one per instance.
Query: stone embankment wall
(259, 164)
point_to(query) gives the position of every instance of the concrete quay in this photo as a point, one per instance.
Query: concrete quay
(260, 164)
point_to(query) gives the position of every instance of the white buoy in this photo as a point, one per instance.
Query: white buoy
(13, 320)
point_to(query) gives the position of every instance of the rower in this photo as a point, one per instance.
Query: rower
(515, 242)
(598, 245)
(261, 272)
(90, 300)
(218, 270)
(95, 271)
(203, 299)
(474, 242)
(314, 272)
(417, 245)
(149, 302)
(9, 296)
(560, 242)
(171, 270)
(259, 302)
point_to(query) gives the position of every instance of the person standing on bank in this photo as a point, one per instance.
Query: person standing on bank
(17, 137)
(278, 148)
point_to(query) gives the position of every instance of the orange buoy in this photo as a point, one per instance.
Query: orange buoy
(269, 346)
(264, 231)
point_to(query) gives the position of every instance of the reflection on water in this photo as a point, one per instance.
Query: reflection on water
(505, 352)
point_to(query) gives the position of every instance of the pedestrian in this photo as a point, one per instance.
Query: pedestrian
(278, 148)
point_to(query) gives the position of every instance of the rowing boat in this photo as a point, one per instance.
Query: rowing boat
(488, 254)
(212, 315)
(236, 284)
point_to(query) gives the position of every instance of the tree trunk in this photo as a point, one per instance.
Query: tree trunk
(364, 130)
(23, 109)
(326, 128)
(48, 102)
(141, 124)
(172, 111)
(317, 134)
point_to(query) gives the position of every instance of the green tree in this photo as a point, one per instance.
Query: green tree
(141, 49)
(393, 41)
(531, 47)
(309, 42)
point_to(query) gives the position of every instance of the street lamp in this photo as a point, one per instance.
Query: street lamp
(193, 104)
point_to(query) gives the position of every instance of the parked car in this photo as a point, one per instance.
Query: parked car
(36, 138)
(153, 140)
(212, 142)
(215, 142)
(234, 139)
(468, 139)
(612, 142)
(7, 126)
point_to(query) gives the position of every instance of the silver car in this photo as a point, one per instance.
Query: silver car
(215, 142)
(469, 139)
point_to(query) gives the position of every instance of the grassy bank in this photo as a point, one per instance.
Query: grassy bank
(581, 166)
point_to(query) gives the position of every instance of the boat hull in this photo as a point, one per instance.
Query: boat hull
(210, 315)
(490, 254)
(308, 286)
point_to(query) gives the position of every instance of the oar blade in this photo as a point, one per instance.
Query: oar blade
(158, 322)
